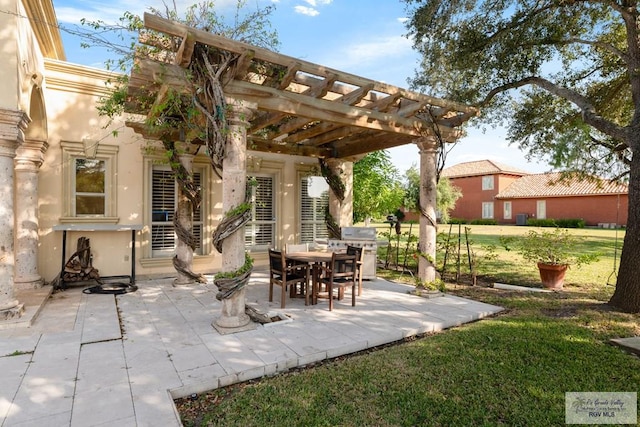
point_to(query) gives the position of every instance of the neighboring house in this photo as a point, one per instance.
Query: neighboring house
(510, 196)
(479, 182)
(545, 196)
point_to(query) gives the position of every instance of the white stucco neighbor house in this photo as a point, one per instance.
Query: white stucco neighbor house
(62, 172)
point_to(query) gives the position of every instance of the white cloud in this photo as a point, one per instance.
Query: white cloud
(370, 52)
(315, 3)
(304, 10)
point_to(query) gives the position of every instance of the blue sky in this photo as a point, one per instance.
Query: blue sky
(362, 37)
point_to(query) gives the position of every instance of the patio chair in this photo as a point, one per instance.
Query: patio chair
(340, 274)
(291, 248)
(301, 247)
(285, 276)
(359, 253)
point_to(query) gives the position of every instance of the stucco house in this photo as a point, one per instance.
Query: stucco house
(63, 171)
(492, 190)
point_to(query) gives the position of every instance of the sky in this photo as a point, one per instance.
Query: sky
(361, 37)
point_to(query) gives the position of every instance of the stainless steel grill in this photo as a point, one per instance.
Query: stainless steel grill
(361, 237)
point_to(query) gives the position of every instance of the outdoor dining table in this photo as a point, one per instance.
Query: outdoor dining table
(315, 259)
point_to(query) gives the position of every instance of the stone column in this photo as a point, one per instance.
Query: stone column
(12, 127)
(342, 211)
(428, 191)
(234, 176)
(184, 214)
(29, 158)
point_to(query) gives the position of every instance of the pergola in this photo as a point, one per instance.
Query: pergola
(289, 106)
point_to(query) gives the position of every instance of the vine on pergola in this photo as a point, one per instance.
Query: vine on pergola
(338, 188)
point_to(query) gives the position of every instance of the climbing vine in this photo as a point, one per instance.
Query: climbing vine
(334, 181)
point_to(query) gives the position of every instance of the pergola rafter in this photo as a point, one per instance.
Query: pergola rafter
(303, 108)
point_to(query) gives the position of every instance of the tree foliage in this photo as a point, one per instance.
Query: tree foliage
(377, 190)
(447, 194)
(561, 74)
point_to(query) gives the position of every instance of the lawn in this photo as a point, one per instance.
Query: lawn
(511, 370)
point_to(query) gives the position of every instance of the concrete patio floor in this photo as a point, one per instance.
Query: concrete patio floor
(103, 360)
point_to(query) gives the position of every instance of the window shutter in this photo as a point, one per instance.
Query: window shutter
(260, 231)
(312, 210)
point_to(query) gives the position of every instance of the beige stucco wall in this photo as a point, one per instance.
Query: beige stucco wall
(22, 62)
(71, 94)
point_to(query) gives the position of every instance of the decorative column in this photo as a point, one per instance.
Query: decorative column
(234, 180)
(428, 191)
(184, 217)
(12, 127)
(29, 158)
(342, 210)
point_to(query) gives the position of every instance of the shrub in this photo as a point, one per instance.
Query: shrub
(457, 221)
(562, 223)
(484, 222)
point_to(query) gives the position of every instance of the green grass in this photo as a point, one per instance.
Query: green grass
(510, 370)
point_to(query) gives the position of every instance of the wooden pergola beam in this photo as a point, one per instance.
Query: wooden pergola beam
(157, 23)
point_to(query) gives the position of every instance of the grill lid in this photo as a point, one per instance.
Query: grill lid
(358, 233)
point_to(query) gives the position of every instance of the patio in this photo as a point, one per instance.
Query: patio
(90, 359)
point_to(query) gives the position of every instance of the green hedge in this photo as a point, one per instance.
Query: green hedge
(484, 222)
(562, 223)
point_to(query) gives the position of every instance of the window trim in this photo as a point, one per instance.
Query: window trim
(543, 204)
(487, 204)
(105, 152)
(485, 182)
(151, 159)
(509, 210)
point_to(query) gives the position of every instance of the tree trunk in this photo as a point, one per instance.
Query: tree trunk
(627, 294)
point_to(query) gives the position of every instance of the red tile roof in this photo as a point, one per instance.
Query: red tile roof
(542, 185)
(480, 167)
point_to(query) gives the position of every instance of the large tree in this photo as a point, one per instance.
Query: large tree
(563, 75)
(377, 190)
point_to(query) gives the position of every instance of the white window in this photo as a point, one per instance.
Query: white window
(507, 210)
(164, 203)
(487, 210)
(541, 209)
(487, 182)
(89, 183)
(259, 232)
(312, 211)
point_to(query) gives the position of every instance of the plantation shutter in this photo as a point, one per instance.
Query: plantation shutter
(164, 196)
(312, 211)
(163, 207)
(260, 230)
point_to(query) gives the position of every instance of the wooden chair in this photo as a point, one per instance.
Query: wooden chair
(291, 247)
(285, 276)
(359, 253)
(340, 274)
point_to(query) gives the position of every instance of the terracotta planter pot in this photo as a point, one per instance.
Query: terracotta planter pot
(552, 275)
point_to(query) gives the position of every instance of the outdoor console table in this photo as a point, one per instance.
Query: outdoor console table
(102, 227)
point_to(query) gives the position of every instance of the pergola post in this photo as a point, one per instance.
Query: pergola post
(29, 158)
(234, 180)
(12, 127)
(342, 210)
(428, 190)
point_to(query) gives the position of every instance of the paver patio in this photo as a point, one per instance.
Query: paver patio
(91, 359)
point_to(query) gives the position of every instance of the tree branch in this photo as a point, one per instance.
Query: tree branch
(589, 113)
